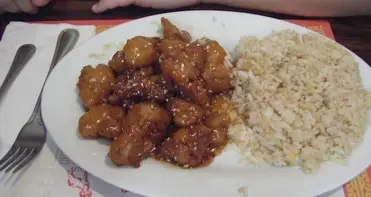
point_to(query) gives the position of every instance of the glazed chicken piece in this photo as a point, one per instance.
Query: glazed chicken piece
(95, 84)
(195, 54)
(176, 67)
(117, 63)
(218, 120)
(169, 46)
(196, 92)
(131, 147)
(115, 100)
(214, 52)
(147, 112)
(137, 85)
(144, 128)
(217, 114)
(141, 52)
(185, 75)
(185, 113)
(103, 120)
(170, 31)
(130, 87)
(217, 76)
(157, 89)
(219, 104)
(187, 147)
(182, 63)
(220, 140)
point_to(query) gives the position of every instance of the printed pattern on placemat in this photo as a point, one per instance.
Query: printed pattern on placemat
(101, 28)
(80, 180)
(316, 28)
(76, 176)
(359, 187)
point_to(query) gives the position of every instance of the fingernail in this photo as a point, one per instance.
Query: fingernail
(94, 8)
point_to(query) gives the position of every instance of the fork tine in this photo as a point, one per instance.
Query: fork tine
(26, 160)
(7, 155)
(24, 155)
(11, 159)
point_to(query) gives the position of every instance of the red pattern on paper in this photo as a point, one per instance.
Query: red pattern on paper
(78, 178)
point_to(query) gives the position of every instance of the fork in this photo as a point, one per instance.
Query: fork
(32, 136)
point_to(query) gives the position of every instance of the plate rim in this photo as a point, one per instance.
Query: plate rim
(331, 186)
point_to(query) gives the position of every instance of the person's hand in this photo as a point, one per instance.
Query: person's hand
(104, 5)
(15, 6)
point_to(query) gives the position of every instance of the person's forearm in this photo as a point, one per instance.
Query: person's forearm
(304, 7)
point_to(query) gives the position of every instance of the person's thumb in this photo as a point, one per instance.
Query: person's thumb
(104, 5)
(39, 3)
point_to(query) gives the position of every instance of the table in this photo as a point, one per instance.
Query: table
(352, 32)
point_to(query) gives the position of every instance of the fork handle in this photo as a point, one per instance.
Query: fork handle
(66, 41)
(21, 58)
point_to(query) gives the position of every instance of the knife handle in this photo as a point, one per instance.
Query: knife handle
(23, 55)
(66, 41)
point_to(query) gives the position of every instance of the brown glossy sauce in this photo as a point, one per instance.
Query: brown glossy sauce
(172, 95)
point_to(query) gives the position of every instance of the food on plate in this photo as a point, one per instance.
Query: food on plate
(171, 32)
(215, 73)
(95, 84)
(165, 98)
(185, 113)
(144, 127)
(140, 52)
(288, 100)
(215, 113)
(301, 100)
(102, 120)
(117, 63)
(187, 147)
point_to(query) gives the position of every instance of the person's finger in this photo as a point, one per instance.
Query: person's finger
(3, 3)
(26, 6)
(104, 5)
(12, 7)
(40, 3)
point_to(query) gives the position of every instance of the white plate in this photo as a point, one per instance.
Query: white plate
(225, 176)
